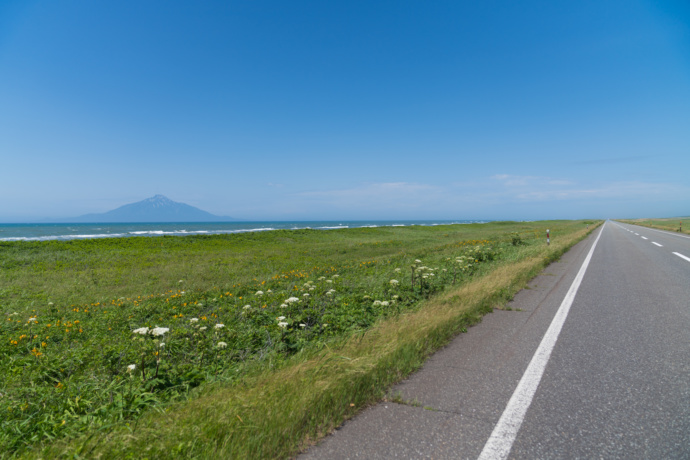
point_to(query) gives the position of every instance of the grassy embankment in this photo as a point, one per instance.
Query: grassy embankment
(671, 224)
(259, 385)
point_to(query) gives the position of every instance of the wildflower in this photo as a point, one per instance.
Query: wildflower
(284, 305)
(305, 295)
(329, 281)
(292, 300)
(302, 325)
(203, 328)
(131, 367)
(397, 270)
(259, 293)
(32, 320)
(395, 297)
(221, 345)
(377, 303)
(336, 276)
(141, 330)
(246, 307)
(159, 330)
(394, 282)
(282, 324)
(219, 326)
(384, 303)
(193, 320)
(417, 261)
(280, 318)
(321, 278)
(162, 344)
(269, 291)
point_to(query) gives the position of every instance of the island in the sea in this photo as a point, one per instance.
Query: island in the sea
(158, 208)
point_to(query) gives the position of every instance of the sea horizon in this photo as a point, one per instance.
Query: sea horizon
(71, 231)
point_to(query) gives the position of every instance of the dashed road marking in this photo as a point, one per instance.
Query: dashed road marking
(644, 237)
(660, 245)
(682, 256)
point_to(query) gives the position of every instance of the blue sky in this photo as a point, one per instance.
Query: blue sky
(313, 110)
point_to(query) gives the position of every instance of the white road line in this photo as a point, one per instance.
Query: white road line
(667, 232)
(644, 237)
(637, 234)
(501, 440)
(660, 245)
(682, 256)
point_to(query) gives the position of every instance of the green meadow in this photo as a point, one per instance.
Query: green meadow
(243, 345)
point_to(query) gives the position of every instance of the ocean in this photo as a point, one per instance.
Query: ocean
(47, 232)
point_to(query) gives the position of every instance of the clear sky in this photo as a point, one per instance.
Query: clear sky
(343, 110)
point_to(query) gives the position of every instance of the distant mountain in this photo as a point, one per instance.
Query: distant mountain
(155, 209)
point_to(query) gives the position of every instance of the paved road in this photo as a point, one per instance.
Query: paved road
(615, 385)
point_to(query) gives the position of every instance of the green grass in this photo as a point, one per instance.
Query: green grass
(277, 382)
(671, 224)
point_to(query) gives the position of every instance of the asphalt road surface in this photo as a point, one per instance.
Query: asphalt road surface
(593, 362)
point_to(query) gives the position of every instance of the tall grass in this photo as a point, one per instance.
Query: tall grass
(270, 401)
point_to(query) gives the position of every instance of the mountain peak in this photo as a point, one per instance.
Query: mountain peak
(157, 208)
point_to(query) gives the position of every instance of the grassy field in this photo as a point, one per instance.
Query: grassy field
(672, 224)
(244, 345)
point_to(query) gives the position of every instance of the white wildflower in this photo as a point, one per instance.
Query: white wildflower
(397, 270)
(417, 261)
(394, 282)
(181, 281)
(336, 276)
(329, 281)
(302, 325)
(141, 330)
(305, 295)
(221, 345)
(321, 278)
(203, 328)
(246, 307)
(395, 297)
(219, 326)
(377, 303)
(283, 325)
(193, 320)
(259, 293)
(162, 344)
(384, 303)
(33, 319)
(131, 367)
(292, 300)
(284, 305)
(159, 330)
(280, 318)
(269, 291)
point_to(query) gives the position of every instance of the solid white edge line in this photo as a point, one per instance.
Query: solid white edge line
(501, 440)
(660, 245)
(682, 256)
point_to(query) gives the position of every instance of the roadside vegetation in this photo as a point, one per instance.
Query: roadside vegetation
(671, 224)
(249, 345)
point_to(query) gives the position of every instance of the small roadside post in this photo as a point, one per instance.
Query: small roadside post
(548, 238)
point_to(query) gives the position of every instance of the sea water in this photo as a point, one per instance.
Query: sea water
(46, 232)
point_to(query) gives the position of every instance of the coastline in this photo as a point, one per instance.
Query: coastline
(71, 231)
